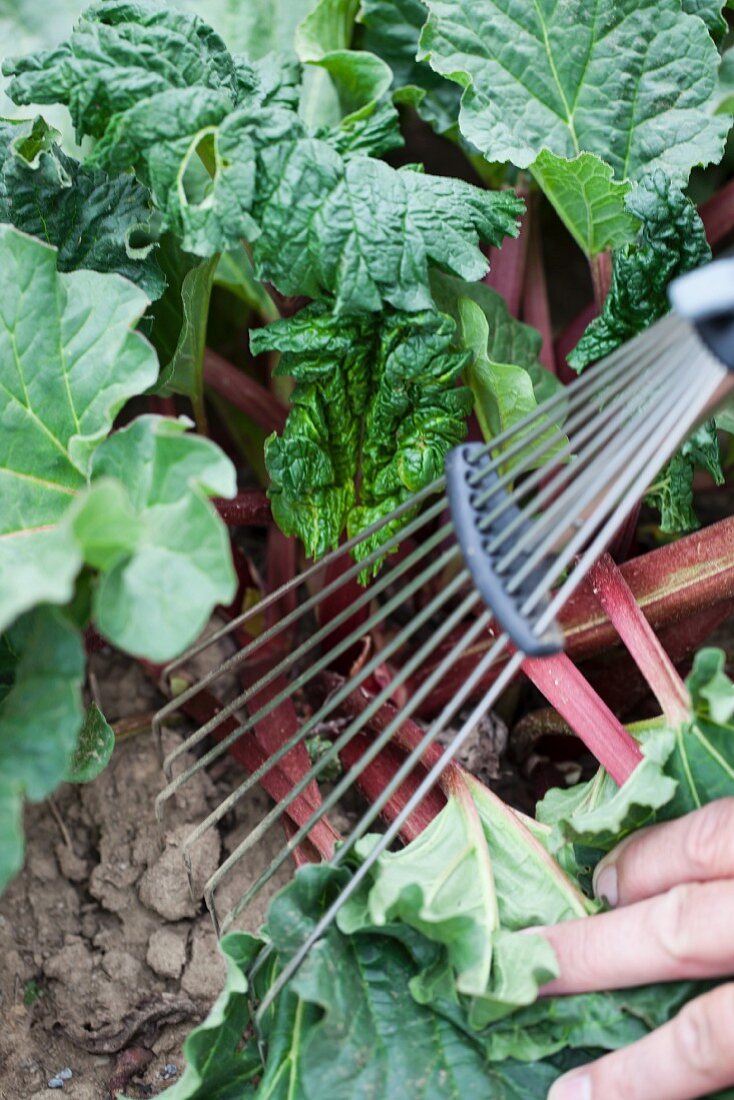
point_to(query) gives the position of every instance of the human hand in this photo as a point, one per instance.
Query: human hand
(671, 888)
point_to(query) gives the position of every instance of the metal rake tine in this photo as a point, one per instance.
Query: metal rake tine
(620, 421)
(615, 413)
(344, 738)
(293, 616)
(277, 670)
(574, 502)
(411, 805)
(664, 440)
(334, 700)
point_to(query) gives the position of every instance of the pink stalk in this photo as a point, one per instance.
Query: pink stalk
(586, 713)
(244, 392)
(717, 214)
(535, 305)
(601, 277)
(568, 340)
(250, 508)
(615, 596)
(507, 264)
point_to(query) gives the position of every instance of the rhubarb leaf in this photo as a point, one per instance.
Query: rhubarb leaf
(392, 32)
(340, 236)
(599, 814)
(375, 405)
(69, 359)
(360, 984)
(93, 750)
(148, 526)
(41, 672)
(672, 492)
(504, 393)
(672, 240)
(95, 222)
(589, 202)
(526, 90)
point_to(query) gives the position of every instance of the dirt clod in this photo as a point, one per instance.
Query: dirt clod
(166, 953)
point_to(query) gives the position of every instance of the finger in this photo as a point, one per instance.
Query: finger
(696, 848)
(686, 933)
(690, 1056)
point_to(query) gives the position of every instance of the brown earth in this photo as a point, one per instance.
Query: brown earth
(106, 962)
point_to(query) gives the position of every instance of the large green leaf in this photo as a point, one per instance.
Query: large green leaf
(586, 198)
(40, 717)
(629, 81)
(711, 13)
(69, 359)
(340, 238)
(96, 222)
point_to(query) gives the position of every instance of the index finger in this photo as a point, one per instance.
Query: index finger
(696, 848)
(686, 933)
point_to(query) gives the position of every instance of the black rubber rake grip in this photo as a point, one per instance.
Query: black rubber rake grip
(476, 525)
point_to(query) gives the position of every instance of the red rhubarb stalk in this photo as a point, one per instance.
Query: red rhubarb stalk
(625, 614)
(671, 584)
(250, 508)
(717, 215)
(535, 307)
(586, 713)
(507, 264)
(244, 393)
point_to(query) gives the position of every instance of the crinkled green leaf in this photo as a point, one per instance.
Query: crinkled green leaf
(147, 524)
(589, 202)
(40, 717)
(629, 81)
(95, 221)
(252, 27)
(69, 359)
(375, 403)
(672, 240)
(366, 233)
(672, 491)
(725, 89)
(392, 31)
(94, 748)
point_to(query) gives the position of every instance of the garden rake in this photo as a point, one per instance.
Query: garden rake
(492, 550)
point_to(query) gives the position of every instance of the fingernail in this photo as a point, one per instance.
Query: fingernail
(573, 1086)
(606, 883)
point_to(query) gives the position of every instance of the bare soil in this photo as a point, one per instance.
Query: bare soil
(106, 961)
